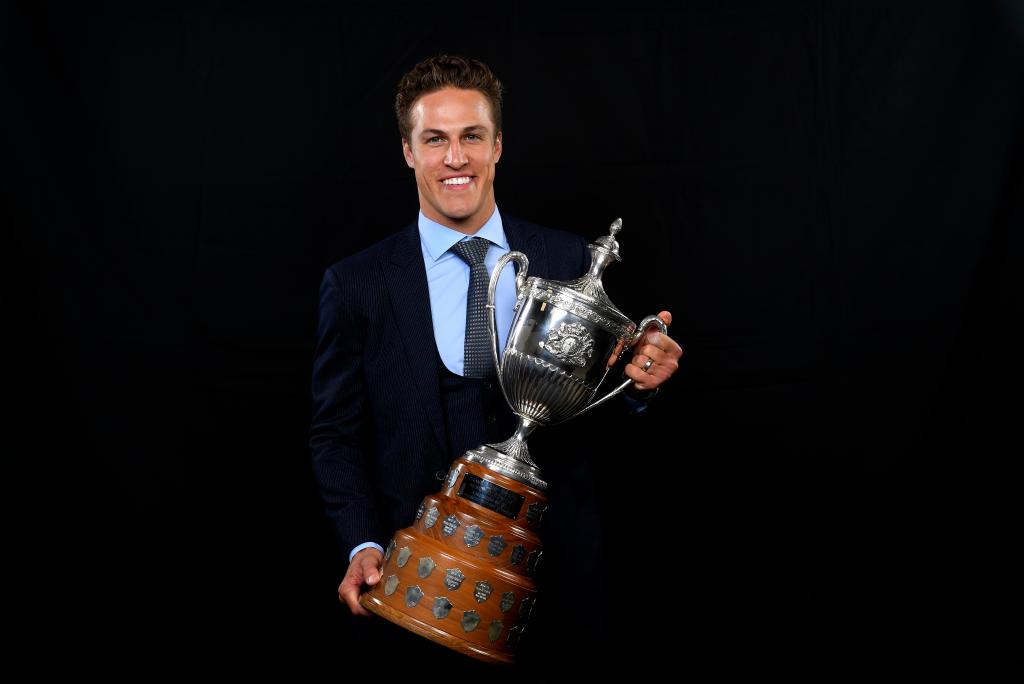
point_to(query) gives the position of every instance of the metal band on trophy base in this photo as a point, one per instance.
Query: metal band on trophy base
(461, 575)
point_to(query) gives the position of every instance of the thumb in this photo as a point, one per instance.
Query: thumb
(666, 316)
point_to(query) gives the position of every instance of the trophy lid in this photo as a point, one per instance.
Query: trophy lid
(586, 294)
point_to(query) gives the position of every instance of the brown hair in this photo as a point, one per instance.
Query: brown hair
(446, 71)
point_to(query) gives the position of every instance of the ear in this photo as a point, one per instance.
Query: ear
(407, 152)
(497, 147)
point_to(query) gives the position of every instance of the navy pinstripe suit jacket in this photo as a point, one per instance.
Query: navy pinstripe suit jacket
(378, 433)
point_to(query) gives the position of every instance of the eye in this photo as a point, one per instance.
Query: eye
(431, 140)
(473, 136)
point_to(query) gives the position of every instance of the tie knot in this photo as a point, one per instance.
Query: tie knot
(472, 251)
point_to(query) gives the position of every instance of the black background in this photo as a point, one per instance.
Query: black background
(828, 197)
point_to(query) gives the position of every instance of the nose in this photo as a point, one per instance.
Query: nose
(456, 156)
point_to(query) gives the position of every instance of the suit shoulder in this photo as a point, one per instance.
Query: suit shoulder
(364, 261)
(552, 235)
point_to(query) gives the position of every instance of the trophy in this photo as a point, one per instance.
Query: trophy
(462, 573)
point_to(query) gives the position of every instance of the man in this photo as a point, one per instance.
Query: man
(397, 390)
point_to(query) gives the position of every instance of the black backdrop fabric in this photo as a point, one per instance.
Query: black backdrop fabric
(826, 195)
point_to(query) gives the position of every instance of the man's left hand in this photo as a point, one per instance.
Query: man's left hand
(663, 353)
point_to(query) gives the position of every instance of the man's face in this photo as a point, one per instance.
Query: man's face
(453, 147)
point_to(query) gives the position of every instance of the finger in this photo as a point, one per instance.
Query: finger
(615, 354)
(643, 362)
(348, 593)
(642, 379)
(651, 368)
(663, 366)
(666, 317)
(650, 351)
(675, 349)
(662, 342)
(649, 375)
(666, 343)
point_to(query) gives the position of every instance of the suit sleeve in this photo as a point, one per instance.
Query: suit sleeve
(337, 442)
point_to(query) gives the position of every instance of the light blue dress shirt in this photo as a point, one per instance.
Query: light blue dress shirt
(448, 283)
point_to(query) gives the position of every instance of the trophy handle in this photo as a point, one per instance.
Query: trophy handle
(492, 319)
(649, 322)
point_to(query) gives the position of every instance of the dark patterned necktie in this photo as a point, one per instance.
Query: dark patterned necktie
(478, 362)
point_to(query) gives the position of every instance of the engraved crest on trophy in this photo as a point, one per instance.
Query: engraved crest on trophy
(569, 342)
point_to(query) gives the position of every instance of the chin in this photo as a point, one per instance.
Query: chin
(456, 215)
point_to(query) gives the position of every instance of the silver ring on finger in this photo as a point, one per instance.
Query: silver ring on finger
(647, 365)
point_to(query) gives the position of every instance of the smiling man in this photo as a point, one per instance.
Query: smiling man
(453, 148)
(393, 404)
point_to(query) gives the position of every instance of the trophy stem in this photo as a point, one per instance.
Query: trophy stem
(515, 446)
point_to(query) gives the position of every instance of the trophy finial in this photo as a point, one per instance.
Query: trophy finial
(608, 243)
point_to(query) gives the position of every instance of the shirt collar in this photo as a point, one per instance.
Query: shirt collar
(438, 239)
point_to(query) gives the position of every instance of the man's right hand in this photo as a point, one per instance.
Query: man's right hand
(364, 569)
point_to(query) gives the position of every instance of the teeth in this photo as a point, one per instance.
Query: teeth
(462, 180)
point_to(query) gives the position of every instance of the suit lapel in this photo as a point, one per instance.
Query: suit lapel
(406, 279)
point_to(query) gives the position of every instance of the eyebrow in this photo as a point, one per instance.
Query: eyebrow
(468, 129)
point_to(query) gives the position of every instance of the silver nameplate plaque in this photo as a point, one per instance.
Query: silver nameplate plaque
(518, 552)
(453, 578)
(425, 567)
(442, 606)
(482, 591)
(494, 631)
(470, 620)
(472, 535)
(450, 524)
(496, 545)
(412, 596)
(491, 496)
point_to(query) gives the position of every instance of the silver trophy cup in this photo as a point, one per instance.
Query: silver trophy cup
(556, 357)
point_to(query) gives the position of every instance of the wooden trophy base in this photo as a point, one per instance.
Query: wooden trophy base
(461, 574)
